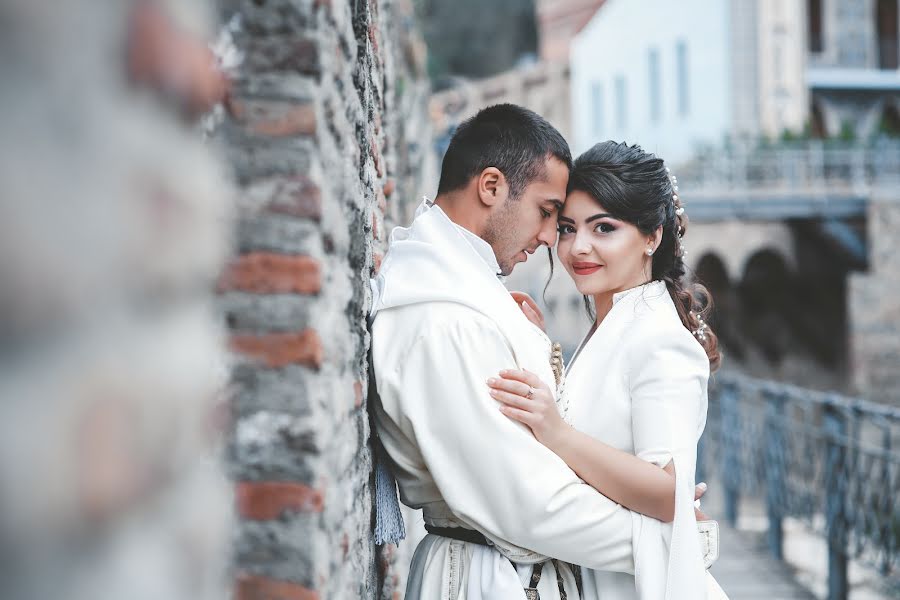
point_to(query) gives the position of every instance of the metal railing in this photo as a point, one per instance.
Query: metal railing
(829, 460)
(805, 166)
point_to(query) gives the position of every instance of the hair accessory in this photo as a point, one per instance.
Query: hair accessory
(679, 211)
(702, 329)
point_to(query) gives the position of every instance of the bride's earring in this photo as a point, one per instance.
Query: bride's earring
(649, 251)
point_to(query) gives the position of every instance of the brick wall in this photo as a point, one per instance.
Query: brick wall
(328, 136)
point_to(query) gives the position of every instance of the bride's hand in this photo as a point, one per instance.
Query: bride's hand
(527, 399)
(530, 308)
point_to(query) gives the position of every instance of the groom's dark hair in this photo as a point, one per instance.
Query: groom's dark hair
(513, 139)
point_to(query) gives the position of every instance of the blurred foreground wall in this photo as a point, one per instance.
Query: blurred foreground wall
(327, 133)
(113, 228)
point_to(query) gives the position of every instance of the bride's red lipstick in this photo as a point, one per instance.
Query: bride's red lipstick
(585, 268)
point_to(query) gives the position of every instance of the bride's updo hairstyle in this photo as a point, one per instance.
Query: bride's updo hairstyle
(636, 187)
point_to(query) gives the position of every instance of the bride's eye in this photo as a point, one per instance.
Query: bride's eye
(564, 229)
(604, 228)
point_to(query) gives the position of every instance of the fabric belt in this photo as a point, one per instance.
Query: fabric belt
(458, 533)
(474, 537)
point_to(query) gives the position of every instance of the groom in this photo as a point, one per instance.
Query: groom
(496, 502)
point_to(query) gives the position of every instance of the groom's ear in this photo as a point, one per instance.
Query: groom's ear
(492, 187)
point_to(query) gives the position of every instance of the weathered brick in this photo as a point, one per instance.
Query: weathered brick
(255, 587)
(275, 233)
(297, 196)
(281, 349)
(267, 500)
(274, 118)
(281, 53)
(269, 273)
(261, 313)
(389, 187)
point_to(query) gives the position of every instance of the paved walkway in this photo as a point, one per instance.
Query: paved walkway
(747, 572)
(745, 569)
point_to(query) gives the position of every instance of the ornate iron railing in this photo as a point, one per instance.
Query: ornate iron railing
(829, 460)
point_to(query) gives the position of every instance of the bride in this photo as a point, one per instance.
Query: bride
(636, 389)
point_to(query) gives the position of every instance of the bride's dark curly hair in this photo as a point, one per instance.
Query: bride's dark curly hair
(634, 186)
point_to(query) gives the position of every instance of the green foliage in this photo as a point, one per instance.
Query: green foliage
(473, 38)
(847, 133)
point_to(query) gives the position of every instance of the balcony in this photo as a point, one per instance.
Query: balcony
(842, 78)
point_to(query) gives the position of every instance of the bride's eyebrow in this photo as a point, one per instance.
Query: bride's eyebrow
(599, 216)
(565, 219)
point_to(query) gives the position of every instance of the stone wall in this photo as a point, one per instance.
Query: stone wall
(874, 306)
(326, 132)
(114, 218)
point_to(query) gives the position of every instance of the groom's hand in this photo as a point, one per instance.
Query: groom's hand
(698, 493)
(530, 308)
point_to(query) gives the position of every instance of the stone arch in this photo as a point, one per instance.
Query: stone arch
(764, 296)
(733, 241)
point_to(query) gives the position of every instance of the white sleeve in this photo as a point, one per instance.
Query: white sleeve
(668, 397)
(668, 402)
(492, 472)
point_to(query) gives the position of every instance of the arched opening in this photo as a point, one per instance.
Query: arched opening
(764, 295)
(712, 274)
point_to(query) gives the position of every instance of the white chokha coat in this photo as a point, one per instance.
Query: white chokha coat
(639, 384)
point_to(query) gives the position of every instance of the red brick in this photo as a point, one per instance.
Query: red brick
(358, 392)
(273, 118)
(172, 61)
(378, 258)
(267, 500)
(269, 273)
(381, 201)
(255, 587)
(281, 349)
(345, 545)
(376, 157)
(389, 187)
(373, 37)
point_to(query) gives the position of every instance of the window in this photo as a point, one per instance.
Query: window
(886, 24)
(621, 103)
(597, 124)
(653, 84)
(814, 18)
(683, 78)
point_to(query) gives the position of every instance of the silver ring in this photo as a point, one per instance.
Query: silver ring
(530, 392)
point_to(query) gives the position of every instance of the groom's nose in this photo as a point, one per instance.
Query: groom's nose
(547, 234)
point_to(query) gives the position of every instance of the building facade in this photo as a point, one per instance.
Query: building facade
(677, 76)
